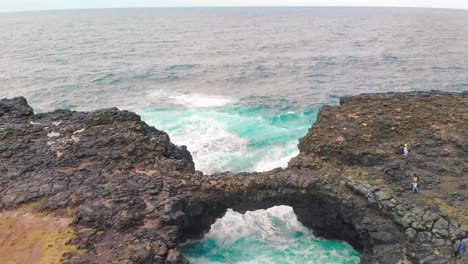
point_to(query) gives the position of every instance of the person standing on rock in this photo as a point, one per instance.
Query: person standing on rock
(406, 150)
(415, 183)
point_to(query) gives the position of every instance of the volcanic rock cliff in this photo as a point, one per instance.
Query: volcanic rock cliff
(104, 187)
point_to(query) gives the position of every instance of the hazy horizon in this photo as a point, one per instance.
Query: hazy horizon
(31, 5)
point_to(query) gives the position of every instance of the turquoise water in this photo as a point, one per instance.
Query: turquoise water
(224, 134)
(264, 237)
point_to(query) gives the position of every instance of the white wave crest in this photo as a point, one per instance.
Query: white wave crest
(192, 100)
(211, 144)
(201, 100)
(268, 225)
(276, 158)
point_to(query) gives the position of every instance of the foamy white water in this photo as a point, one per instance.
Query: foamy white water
(190, 99)
(228, 136)
(201, 100)
(277, 157)
(273, 235)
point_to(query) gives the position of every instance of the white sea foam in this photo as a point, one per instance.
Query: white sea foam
(209, 142)
(260, 222)
(201, 100)
(224, 141)
(191, 100)
(276, 158)
(266, 236)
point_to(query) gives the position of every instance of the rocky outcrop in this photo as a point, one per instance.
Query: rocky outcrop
(134, 196)
(15, 109)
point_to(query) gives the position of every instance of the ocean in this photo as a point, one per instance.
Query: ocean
(238, 86)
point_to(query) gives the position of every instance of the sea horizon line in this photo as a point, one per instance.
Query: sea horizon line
(227, 7)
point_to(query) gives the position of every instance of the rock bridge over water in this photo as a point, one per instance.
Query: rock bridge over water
(132, 195)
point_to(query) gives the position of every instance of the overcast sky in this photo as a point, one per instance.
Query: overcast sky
(22, 5)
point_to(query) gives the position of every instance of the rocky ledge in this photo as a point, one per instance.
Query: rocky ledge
(112, 189)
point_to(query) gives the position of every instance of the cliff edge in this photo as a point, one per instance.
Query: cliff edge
(104, 187)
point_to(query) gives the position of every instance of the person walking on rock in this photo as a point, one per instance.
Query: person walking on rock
(415, 183)
(458, 249)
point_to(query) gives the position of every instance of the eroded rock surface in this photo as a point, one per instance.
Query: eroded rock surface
(30, 238)
(134, 196)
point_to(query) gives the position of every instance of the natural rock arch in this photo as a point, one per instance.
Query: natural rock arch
(327, 216)
(331, 210)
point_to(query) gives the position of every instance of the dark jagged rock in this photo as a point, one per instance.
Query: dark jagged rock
(16, 108)
(134, 196)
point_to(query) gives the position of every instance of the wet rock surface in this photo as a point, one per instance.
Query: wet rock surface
(134, 196)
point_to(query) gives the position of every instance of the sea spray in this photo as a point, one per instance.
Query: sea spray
(266, 236)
